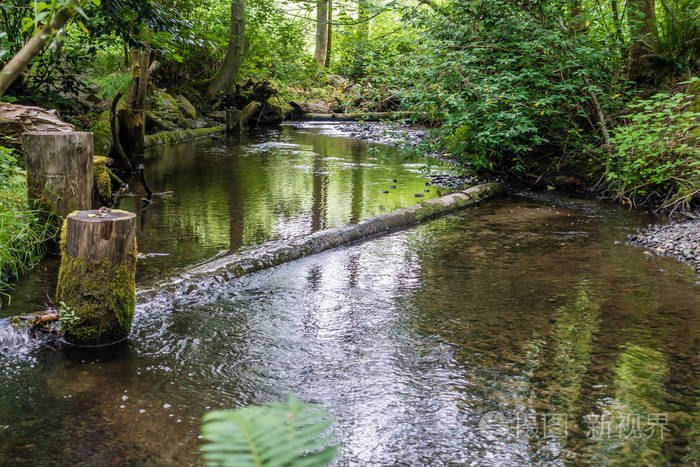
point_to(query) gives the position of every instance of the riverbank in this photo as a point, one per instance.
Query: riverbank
(680, 240)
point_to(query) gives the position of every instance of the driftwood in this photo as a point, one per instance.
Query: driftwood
(18, 119)
(237, 120)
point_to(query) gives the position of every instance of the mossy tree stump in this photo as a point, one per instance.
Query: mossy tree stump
(132, 132)
(96, 280)
(237, 120)
(59, 170)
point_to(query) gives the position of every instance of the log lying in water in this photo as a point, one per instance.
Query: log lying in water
(202, 278)
(366, 116)
(179, 136)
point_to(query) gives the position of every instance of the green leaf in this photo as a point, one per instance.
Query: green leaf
(290, 433)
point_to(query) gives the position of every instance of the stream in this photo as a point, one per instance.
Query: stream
(520, 331)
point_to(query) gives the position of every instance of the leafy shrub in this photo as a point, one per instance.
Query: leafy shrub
(657, 154)
(22, 234)
(276, 434)
(506, 85)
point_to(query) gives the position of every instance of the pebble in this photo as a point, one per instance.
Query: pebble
(678, 239)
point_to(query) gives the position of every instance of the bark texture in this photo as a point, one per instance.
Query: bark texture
(321, 31)
(644, 37)
(59, 170)
(227, 74)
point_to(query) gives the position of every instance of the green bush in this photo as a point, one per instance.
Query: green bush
(656, 153)
(22, 233)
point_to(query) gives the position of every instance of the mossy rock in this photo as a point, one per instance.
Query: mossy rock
(99, 297)
(169, 108)
(186, 107)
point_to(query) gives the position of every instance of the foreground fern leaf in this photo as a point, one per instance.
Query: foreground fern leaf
(289, 433)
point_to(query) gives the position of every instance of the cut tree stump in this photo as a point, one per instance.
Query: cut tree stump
(59, 170)
(96, 281)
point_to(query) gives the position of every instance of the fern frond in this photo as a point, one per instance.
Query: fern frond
(279, 434)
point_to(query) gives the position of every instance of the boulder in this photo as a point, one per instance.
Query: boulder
(17, 119)
(303, 107)
(338, 81)
(218, 115)
(270, 113)
(155, 124)
(186, 107)
(168, 108)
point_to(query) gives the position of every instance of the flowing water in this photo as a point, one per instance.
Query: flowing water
(516, 332)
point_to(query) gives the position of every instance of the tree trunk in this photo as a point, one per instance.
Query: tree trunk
(644, 37)
(19, 62)
(361, 39)
(227, 74)
(329, 45)
(144, 78)
(577, 22)
(96, 280)
(140, 60)
(321, 31)
(59, 170)
(132, 132)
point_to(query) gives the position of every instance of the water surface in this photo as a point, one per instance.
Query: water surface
(516, 332)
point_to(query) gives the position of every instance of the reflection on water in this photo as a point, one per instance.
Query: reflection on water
(225, 196)
(512, 333)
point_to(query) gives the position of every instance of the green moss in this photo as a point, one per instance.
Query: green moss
(178, 136)
(102, 134)
(101, 177)
(101, 294)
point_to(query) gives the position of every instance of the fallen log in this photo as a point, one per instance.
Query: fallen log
(18, 119)
(179, 136)
(200, 280)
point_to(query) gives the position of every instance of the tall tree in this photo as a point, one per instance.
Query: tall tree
(227, 74)
(361, 39)
(644, 36)
(329, 45)
(321, 31)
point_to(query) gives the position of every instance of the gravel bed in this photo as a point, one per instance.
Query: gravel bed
(680, 240)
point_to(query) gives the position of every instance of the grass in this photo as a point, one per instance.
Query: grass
(110, 84)
(22, 233)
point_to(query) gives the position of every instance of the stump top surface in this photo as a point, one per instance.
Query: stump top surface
(55, 133)
(101, 216)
